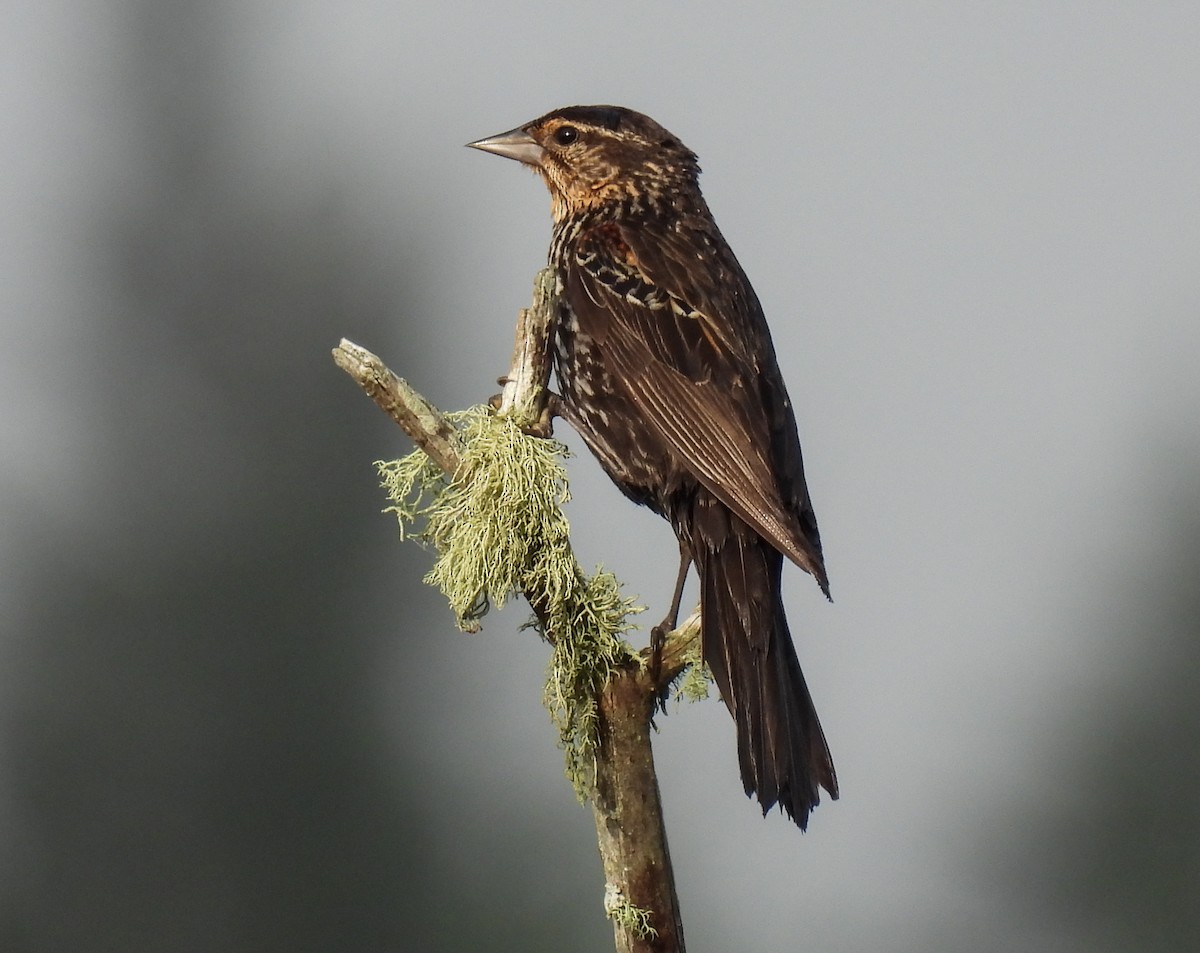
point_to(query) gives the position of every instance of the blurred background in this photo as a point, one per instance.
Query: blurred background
(231, 716)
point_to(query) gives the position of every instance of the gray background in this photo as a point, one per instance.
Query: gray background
(232, 719)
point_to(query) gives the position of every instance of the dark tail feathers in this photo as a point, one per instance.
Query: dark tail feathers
(748, 648)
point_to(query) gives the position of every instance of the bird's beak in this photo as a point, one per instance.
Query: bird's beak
(515, 144)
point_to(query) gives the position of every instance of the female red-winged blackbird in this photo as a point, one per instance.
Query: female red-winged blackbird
(667, 371)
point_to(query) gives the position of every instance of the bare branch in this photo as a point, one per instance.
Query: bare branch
(418, 418)
(525, 388)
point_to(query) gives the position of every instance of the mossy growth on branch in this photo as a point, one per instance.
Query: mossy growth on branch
(499, 529)
(692, 683)
(617, 907)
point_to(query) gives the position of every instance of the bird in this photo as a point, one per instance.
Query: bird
(666, 368)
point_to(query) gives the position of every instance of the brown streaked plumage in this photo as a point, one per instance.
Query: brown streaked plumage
(667, 370)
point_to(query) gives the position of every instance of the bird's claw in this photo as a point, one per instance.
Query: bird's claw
(542, 427)
(658, 642)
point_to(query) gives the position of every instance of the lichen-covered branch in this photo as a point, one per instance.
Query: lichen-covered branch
(487, 495)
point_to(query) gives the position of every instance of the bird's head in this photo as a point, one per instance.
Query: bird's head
(594, 155)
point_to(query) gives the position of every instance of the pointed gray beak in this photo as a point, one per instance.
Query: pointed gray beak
(515, 144)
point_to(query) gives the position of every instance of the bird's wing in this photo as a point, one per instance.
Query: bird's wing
(682, 331)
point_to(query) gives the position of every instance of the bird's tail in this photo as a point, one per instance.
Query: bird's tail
(781, 749)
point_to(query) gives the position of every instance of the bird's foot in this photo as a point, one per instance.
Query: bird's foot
(658, 641)
(544, 425)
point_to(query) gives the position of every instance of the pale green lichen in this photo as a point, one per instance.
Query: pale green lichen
(587, 627)
(617, 907)
(499, 529)
(692, 684)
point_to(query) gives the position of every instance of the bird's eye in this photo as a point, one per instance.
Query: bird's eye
(565, 135)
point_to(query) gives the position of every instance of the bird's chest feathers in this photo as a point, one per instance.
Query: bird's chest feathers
(607, 236)
(603, 273)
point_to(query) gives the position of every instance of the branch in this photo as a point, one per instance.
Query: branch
(640, 893)
(428, 427)
(525, 396)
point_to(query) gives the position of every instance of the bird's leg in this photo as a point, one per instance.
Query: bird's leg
(658, 634)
